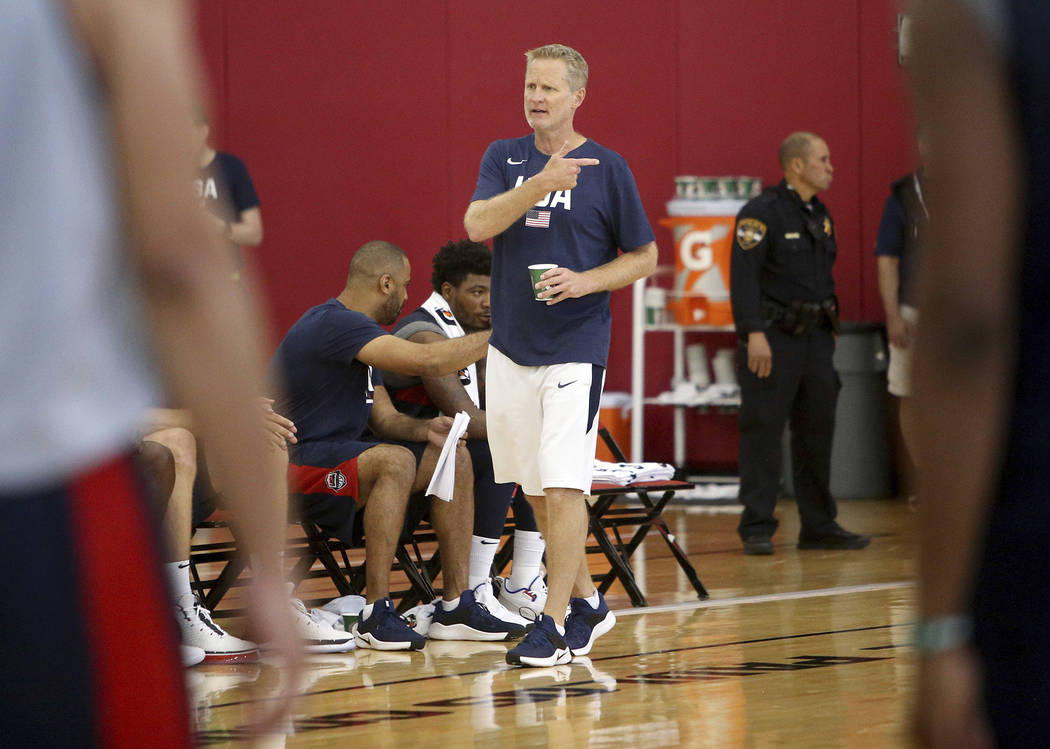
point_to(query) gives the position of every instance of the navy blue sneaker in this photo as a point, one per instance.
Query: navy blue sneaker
(470, 620)
(542, 647)
(584, 624)
(383, 629)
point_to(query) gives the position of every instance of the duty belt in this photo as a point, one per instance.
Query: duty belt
(798, 318)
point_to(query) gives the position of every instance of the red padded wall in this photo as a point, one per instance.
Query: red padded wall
(362, 120)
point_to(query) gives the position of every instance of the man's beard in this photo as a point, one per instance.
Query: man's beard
(391, 310)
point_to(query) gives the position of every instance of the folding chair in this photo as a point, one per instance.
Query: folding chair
(307, 549)
(605, 522)
(314, 546)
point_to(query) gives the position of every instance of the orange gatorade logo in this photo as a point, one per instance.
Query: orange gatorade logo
(828, 230)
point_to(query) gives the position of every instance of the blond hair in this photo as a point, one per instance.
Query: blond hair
(575, 66)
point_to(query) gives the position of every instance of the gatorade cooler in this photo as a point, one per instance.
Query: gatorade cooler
(614, 413)
(703, 239)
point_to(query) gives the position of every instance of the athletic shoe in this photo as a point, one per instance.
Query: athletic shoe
(542, 647)
(527, 602)
(584, 624)
(419, 617)
(758, 545)
(383, 629)
(832, 539)
(198, 630)
(470, 620)
(484, 595)
(191, 655)
(317, 636)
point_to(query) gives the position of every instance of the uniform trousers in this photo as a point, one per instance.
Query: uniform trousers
(800, 391)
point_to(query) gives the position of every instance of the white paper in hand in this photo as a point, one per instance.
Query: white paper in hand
(444, 478)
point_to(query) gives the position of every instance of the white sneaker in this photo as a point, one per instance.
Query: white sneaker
(317, 635)
(527, 602)
(198, 630)
(483, 594)
(191, 655)
(419, 617)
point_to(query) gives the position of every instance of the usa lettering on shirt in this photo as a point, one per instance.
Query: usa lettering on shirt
(551, 199)
(206, 188)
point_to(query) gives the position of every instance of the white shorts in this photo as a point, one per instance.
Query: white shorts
(542, 423)
(899, 372)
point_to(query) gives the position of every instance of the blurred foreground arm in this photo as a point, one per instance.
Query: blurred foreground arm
(965, 354)
(207, 338)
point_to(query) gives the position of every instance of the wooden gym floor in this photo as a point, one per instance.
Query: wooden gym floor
(801, 649)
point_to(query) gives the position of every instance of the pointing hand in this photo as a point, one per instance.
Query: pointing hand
(561, 173)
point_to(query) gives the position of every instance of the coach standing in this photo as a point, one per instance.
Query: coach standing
(555, 197)
(786, 316)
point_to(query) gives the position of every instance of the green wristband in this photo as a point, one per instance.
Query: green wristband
(942, 633)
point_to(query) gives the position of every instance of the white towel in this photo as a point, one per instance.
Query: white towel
(444, 478)
(629, 473)
(439, 309)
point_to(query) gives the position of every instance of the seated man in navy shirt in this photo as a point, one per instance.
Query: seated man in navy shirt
(328, 363)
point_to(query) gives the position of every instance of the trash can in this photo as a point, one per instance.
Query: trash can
(860, 451)
(615, 415)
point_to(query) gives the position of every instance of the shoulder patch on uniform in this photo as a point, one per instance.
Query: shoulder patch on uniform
(828, 228)
(750, 232)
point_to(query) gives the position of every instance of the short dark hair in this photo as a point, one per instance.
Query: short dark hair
(795, 146)
(373, 259)
(456, 260)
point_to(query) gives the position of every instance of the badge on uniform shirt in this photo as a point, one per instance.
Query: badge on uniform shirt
(827, 226)
(750, 232)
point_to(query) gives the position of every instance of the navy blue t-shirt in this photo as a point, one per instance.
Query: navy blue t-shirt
(900, 238)
(328, 393)
(225, 187)
(577, 229)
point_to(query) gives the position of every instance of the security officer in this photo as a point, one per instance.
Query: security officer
(786, 314)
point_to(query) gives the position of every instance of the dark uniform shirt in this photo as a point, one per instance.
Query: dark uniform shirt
(783, 250)
(904, 220)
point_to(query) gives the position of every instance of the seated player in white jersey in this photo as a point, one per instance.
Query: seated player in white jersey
(459, 305)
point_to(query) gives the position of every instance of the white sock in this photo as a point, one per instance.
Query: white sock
(560, 628)
(528, 557)
(592, 599)
(482, 552)
(179, 580)
(449, 605)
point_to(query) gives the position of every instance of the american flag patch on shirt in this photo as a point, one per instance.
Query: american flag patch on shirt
(541, 219)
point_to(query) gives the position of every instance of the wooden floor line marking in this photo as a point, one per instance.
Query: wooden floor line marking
(766, 598)
(501, 667)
